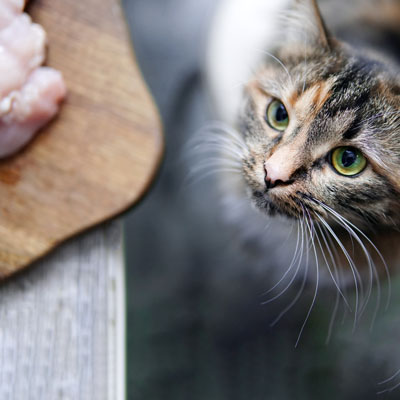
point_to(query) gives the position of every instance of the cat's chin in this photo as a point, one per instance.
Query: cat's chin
(263, 202)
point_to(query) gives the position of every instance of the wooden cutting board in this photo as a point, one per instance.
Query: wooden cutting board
(99, 156)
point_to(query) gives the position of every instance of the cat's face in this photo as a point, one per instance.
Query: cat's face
(322, 129)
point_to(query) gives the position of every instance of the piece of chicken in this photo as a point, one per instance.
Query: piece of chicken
(29, 94)
(9, 9)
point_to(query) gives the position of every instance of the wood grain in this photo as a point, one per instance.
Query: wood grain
(62, 323)
(98, 157)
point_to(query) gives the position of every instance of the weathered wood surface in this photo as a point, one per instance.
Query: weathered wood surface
(62, 324)
(99, 156)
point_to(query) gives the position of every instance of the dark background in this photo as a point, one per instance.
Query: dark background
(196, 326)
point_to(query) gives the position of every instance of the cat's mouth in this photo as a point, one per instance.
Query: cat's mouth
(289, 206)
(292, 206)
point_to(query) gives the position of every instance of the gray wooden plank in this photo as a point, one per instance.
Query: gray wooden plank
(62, 323)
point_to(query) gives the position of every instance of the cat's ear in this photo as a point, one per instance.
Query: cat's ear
(307, 24)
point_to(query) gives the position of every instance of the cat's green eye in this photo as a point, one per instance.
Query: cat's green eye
(348, 161)
(277, 116)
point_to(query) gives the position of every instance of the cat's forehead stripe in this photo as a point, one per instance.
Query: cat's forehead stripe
(309, 103)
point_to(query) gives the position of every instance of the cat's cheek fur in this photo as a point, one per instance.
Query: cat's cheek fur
(333, 93)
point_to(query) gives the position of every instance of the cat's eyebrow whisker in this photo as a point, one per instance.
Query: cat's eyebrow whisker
(310, 226)
(279, 62)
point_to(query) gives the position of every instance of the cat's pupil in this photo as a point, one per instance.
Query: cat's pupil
(281, 113)
(349, 157)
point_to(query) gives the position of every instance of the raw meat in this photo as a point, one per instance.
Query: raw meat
(29, 94)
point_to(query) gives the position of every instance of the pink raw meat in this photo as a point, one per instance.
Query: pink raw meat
(29, 94)
(30, 108)
(9, 9)
(22, 48)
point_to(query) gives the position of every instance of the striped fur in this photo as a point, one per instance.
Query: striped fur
(336, 95)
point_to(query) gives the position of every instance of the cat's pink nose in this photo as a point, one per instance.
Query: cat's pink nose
(276, 173)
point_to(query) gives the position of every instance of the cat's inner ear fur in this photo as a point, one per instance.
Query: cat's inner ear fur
(306, 25)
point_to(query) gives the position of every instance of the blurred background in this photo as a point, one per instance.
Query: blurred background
(196, 325)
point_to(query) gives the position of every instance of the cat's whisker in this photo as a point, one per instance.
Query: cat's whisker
(371, 265)
(221, 135)
(351, 264)
(393, 377)
(337, 278)
(333, 317)
(373, 275)
(372, 268)
(226, 129)
(221, 144)
(217, 148)
(303, 283)
(227, 159)
(370, 242)
(218, 130)
(213, 169)
(189, 181)
(263, 51)
(252, 71)
(338, 271)
(214, 162)
(389, 390)
(310, 226)
(358, 275)
(220, 158)
(220, 169)
(228, 153)
(327, 265)
(389, 380)
(339, 292)
(285, 289)
(294, 259)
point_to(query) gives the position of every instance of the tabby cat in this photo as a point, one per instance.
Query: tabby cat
(313, 110)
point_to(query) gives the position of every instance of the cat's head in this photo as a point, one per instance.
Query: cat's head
(321, 125)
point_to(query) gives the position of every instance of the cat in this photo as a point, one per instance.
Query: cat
(311, 133)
